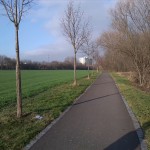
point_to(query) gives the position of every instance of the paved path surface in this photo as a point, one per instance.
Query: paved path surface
(97, 121)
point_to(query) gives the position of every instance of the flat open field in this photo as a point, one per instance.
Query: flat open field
(33, 82)
(46, 93)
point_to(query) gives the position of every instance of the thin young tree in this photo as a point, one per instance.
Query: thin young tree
(87, 49)
(97, 60)
(15, 9)
(75, 29)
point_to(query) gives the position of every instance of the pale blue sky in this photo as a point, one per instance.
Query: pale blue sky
(40, 30)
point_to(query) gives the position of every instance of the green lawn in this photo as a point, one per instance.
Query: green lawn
(51, 92)
(33, 82)
(138, 100)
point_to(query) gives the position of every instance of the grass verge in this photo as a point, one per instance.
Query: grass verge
(16, 133)
(138, 100)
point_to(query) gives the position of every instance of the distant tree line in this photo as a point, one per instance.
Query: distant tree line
(7, 63)
(127, 43)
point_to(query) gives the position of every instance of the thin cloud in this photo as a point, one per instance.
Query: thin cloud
(50, 12)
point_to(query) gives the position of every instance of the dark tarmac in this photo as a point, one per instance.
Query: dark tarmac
(98, 120)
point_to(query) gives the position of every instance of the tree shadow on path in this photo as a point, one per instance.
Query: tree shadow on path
(130, 140)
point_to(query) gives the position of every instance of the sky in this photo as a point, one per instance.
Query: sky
(40, 32)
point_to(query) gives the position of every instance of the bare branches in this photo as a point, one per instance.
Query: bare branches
(88, 45)
(75, 29)
(129, 38)
(74, 26)
(15, 9)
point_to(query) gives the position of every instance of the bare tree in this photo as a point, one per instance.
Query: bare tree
(15, 10)
(97, 59)
(133, 24)
(129, 39)
(75, 28)
(87, 49)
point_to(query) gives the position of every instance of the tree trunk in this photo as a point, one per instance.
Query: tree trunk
(88, 71)
(18, 77)
(75, 62)
(97, 69)
(92, 69)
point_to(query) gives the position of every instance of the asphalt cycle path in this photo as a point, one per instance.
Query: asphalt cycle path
(98, 120)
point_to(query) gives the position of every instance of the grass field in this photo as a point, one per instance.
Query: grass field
(50, 93)
(33, 82)
(138, 100)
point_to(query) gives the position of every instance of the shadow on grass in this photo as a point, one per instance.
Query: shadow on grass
(45, 110)
(93, 78)
(26, 114)
(84, 84)
(64, 106)
(146, 125)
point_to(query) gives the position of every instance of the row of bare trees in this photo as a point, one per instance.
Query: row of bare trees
(127, 43)
(75, 28)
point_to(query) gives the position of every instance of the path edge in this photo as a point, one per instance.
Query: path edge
(44, 131)
(135, 121)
